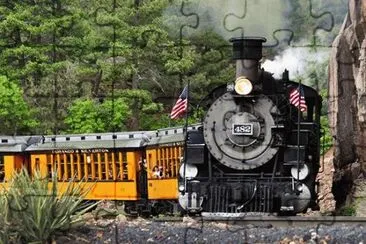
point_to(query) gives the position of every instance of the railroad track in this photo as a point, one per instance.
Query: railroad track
(269, 220)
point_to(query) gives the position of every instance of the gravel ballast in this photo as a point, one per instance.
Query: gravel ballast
(191, 231)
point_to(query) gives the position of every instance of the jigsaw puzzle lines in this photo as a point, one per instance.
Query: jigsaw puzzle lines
(278, 36)
(236, 16)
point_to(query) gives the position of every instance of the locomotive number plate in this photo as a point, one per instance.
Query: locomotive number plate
(243, 129)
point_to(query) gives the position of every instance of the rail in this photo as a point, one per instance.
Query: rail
(270, 220)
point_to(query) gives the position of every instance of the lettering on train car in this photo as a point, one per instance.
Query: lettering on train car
(97, 150)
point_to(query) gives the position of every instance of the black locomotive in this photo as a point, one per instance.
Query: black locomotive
(255, 151)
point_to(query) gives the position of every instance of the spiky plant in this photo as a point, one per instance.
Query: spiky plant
(8, 232)
(39, 211)
(4, 227)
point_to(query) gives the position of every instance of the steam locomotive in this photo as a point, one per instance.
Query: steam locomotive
(255, 151)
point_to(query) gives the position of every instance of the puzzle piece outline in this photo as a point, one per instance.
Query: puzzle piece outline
(194, 27)
(292, 33)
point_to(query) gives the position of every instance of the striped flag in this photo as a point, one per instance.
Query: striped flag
(297, 98)
(181, 105)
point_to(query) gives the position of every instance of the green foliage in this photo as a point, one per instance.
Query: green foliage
(68, 50)
(349, 210)
(15, 115)
(301, 18)
(83, 117)
(131, 109)
(132, 38)
(159, 121)
(7, 232)
(210, 68)
(114, 114)
(30, 32)
(38, 40)
(326, 140)
(90, 116)
(316, 71)
(145, 112)
(63, 51)
(35, 212)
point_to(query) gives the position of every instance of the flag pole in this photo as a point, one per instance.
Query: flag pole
(298, 132)
(186, 138)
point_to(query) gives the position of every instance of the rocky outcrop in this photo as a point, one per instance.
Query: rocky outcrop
(325, 178)
(359, 197)
(347, 95)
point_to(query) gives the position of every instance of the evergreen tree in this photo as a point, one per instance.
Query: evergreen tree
(39, 42)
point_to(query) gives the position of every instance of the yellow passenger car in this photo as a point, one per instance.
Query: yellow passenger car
(139, 168)
(107, 162)
(164, 152)
(12, 155)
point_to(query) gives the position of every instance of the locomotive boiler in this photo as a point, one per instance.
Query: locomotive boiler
(258, 147)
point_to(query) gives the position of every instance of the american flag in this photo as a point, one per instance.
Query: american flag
(297, 98)
(181, 105)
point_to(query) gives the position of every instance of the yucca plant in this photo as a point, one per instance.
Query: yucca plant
(8, 232)
(39, 212)
(4, 226)
(3, 216)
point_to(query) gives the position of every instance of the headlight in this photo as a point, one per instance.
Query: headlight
(303, 172)
(243, 86)
(181, 188)
(191, 171)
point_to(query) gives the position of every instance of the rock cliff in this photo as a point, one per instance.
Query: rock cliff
(347, 99)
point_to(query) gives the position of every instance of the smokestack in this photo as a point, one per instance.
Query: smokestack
(247, 51)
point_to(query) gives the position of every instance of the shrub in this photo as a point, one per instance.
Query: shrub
(348, 211)
(35, 209)
(7, 233)
(326, 140)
